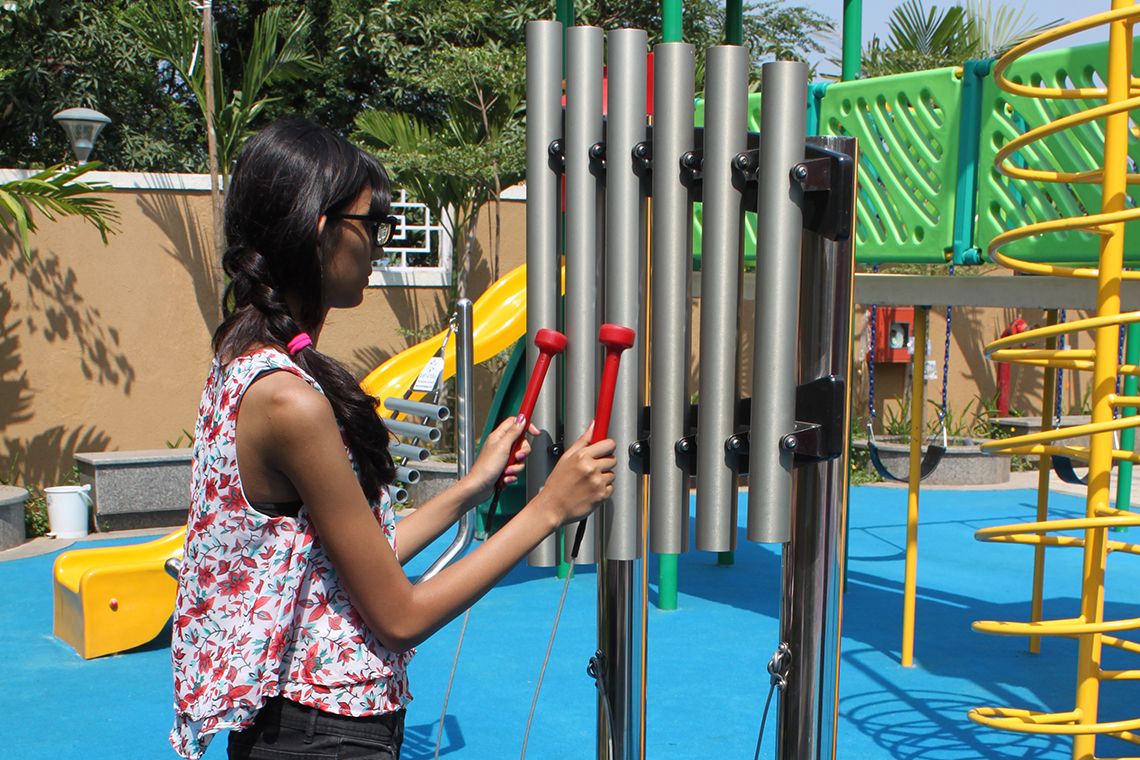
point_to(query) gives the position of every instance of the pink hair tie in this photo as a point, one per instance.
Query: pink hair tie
(300, 340)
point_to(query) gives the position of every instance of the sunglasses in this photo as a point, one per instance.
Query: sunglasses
(380, 230)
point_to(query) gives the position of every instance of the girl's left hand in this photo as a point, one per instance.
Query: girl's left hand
(492, 460)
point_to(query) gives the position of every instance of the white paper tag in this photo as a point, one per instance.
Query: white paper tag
(429, 376)
(930, 371)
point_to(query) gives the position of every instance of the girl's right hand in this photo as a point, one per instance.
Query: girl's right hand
(583, 477)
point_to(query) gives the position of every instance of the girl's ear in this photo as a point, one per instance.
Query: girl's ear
(322, 220)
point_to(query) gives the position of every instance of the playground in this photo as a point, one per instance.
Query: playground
(737, 584)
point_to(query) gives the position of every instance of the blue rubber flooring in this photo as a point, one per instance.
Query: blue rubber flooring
(707, 680)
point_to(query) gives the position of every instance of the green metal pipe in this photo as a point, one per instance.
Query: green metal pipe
(734, 22)
(1128, 435)
(671, 17)
(852, 39)
(667, 581)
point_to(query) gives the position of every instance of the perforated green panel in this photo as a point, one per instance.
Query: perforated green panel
(1005, 203)
(907, 126)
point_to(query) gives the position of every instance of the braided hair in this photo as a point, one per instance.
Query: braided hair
(286, 177)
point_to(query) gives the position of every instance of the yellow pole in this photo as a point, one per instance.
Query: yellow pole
(1104, 376)
(917, 403)
(1044, 467)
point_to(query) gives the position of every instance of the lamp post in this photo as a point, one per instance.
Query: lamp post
(82, 125)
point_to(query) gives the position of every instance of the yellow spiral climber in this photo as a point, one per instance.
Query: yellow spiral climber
(1090, 627)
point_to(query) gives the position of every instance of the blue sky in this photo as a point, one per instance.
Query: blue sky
(875, 13)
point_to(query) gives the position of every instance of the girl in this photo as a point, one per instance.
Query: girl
(294, 621)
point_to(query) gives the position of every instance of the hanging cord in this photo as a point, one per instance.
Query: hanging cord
(596, 669)
(871, 367)
(777, 679)
(452, 328)
(546, 659)
(946, 365)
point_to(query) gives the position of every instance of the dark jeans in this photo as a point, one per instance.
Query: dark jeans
(286, 730)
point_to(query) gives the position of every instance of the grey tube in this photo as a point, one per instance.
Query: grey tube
(543, 177)
(726, 125)
(412, 430)
(407, 475)
(779, 225)
(406, 451)
(464, 372)
(813, 558)
(437, 412)
(626, 189)
(673, 65)
(397, 494)
(583, 283)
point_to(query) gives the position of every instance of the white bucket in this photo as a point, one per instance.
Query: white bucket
(67, 508)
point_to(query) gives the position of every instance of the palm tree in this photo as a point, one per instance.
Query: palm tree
(53, 192)
(922, 38)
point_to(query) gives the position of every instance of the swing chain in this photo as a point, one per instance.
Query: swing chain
(779, 665)
(946, 361)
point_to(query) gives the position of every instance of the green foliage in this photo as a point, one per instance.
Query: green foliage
(53, 192)
(35, 513)
(923, 38)
(65, 53)
(177, 442)
(277, 51)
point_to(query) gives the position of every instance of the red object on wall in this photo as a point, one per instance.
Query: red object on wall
(1015, 327)
(894, 329)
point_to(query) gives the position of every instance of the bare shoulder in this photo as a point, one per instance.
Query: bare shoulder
(285, 407)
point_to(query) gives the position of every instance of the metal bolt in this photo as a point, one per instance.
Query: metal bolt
(789, 442)
(799, 172)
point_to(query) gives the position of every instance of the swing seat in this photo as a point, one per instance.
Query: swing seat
(930, 461)
(1063, 467)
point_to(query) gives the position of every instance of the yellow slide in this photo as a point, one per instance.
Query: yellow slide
(498, 319)
(116, 598)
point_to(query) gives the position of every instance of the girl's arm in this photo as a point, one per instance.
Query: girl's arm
(294, 433)
(429, 521)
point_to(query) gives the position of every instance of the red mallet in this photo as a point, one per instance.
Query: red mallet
(616, 339)
(549, 343)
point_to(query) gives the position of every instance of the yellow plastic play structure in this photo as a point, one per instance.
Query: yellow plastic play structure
(116, 598)
(1090, 627)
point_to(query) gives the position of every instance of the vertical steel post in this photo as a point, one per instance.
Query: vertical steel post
(779, 216)
(583, 198)
(672, 236)
(543, 176)
(813, 559)
(726, 125)
(626, 189)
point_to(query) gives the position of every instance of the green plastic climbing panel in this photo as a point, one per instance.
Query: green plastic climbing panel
(907, 126)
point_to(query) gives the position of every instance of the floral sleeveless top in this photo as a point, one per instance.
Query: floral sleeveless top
(260, 611)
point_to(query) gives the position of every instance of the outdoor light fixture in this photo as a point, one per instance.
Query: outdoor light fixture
(82, 125)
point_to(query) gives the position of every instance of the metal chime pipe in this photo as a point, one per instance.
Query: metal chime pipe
(779, 215)
(672, 236)
(726, 124)
(583, 205)
(543, 177)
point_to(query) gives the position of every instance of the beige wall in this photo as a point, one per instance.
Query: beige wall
(106, 348)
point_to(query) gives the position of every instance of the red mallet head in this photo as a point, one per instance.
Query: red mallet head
(616, 336)
(550, 341)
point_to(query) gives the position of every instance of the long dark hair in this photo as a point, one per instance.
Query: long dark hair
(285, 178)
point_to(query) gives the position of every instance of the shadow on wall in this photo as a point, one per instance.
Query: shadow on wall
(188, 243)
(45, 458)
(59, 313)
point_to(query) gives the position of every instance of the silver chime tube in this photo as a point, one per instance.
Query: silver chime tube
(670, 296)
(407, 451)
(726, 125)
(583, 281)
(813, 559)
(464, 381)
(407, 475)
(412, 430)
(617, 545)
(437, 412)
(779, 214)
(543, 277)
